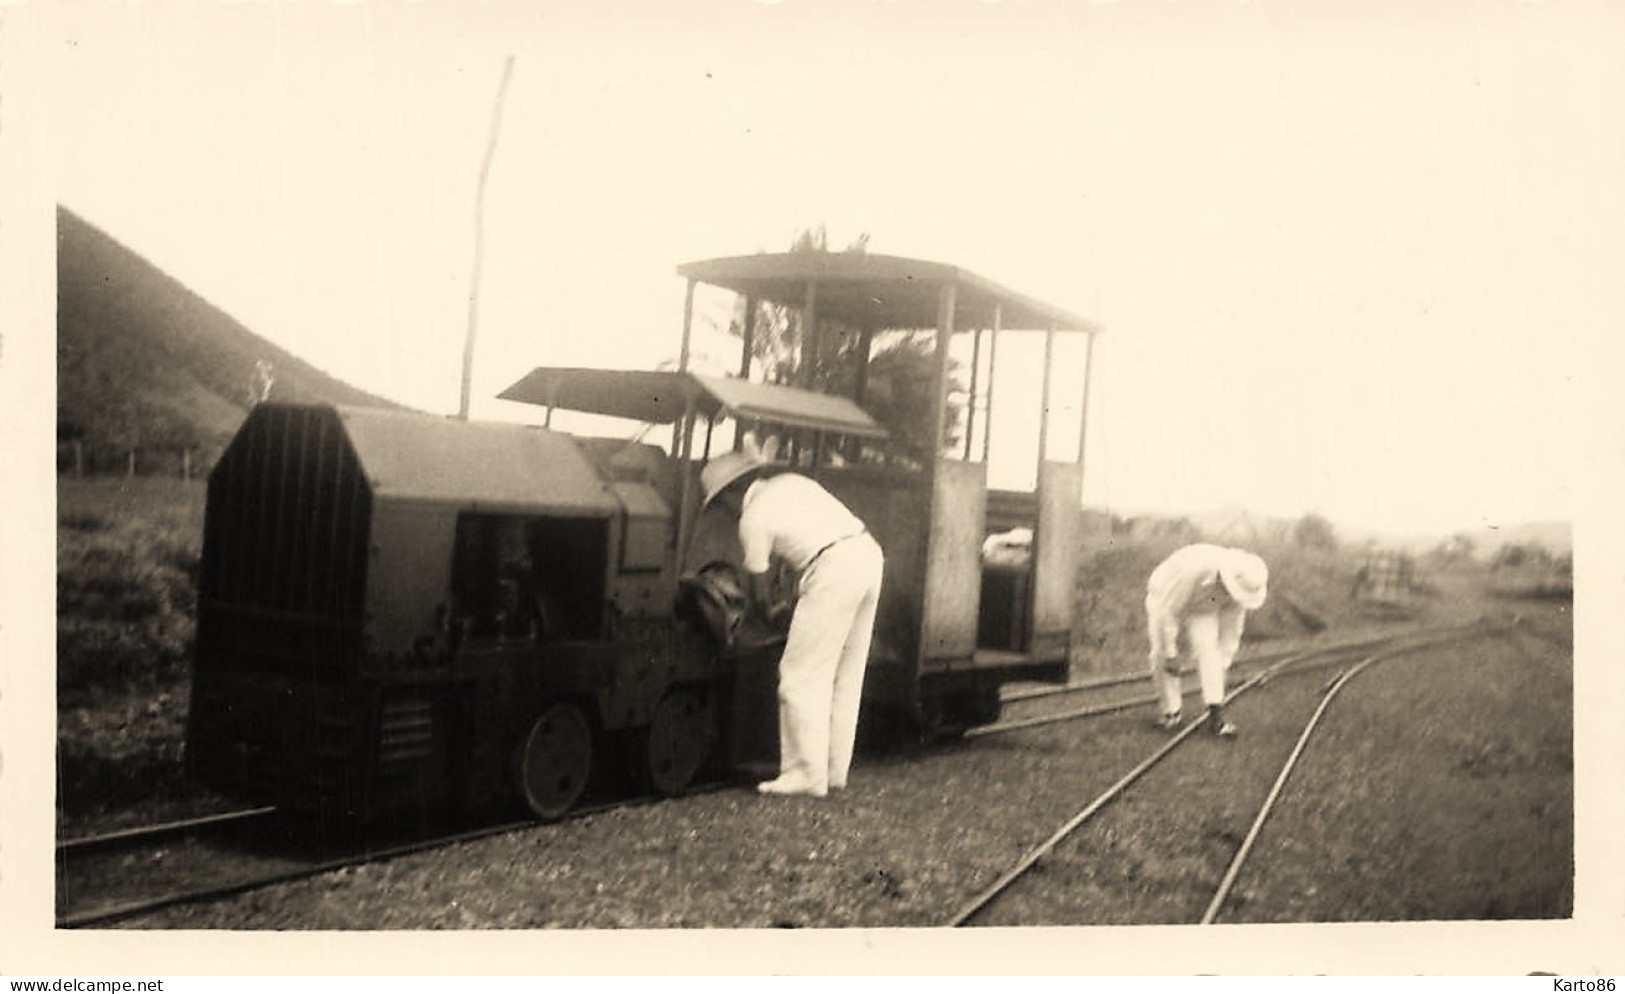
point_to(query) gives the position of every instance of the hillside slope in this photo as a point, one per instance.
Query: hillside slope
(143, 361)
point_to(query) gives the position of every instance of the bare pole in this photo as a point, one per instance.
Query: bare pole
(860, 382)
(860, 385)
(744, 361)
(688, 327)
(970, 402)
(682, 440)
(749, 337)
(1083, 404)
(809, 336)
(1043, 410)
(479, 238)
(946, 300)
(992, 367)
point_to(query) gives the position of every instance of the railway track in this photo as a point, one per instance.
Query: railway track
(1356, 657)
(147, 834)
(121, 853)
(282, 868)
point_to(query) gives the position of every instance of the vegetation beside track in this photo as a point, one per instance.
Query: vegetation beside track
(127, 555)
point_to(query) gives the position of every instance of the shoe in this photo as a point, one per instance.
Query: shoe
(790, 787)
(1217, 725)
(1171, 721)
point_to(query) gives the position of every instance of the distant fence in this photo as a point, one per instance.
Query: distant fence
(81, 459)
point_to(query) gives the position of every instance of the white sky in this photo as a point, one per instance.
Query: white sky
(1348, 256)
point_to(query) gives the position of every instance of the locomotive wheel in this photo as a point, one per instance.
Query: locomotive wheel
(679, 741)
(554, 761)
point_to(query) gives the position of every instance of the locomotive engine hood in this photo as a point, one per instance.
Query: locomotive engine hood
(490, 465)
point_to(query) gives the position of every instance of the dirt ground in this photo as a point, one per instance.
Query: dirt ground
(1440, 786)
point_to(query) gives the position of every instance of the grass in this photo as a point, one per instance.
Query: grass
(127, 555)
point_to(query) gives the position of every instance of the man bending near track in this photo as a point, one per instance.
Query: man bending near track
(1204, 591)
(789, 517)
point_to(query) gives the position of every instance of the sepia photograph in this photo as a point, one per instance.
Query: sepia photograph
(954, 487)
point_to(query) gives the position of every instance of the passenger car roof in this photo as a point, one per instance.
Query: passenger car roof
(880, 292)
(661, 397)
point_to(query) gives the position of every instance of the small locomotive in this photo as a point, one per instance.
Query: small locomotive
(400, 612)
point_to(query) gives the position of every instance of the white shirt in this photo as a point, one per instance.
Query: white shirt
(1187, 582)
(792, 517)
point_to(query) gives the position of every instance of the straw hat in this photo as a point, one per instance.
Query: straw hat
(730, 466)
(1245, 576)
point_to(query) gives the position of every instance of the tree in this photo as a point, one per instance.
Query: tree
(1314, 532)
(898, 389)
(1456, 550)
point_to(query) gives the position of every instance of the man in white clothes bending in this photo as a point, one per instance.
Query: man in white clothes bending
(1204, 591)
(789, 517)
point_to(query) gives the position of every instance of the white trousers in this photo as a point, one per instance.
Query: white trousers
(1212, 637)
(821, 672)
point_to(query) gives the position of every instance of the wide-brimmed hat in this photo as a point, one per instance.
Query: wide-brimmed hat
(730, 466)
(1245, 577)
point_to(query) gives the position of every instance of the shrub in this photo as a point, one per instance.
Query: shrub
(127, 553)
(1314, 532)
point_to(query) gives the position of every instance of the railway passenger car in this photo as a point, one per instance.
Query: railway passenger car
(405, 612)
(956, 624)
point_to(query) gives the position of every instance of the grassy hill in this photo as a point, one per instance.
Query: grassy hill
(144, 362)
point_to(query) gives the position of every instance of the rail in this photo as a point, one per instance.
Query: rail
(147, 833)
(129, 909)
(1299, 663)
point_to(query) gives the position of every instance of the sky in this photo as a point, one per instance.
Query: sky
(1349, 258)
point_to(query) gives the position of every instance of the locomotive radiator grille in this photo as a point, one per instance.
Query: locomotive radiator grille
(284, 551)
(406, 731)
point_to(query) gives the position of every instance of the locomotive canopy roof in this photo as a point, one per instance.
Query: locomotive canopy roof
(410, 456)
(663, 397)
(880, 292)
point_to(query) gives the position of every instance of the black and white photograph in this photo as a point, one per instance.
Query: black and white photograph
(1077, 487)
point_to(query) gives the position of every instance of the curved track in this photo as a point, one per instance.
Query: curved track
(1361, 655)
(1108, 695)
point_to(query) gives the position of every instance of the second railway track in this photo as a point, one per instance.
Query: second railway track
(1354, 657)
